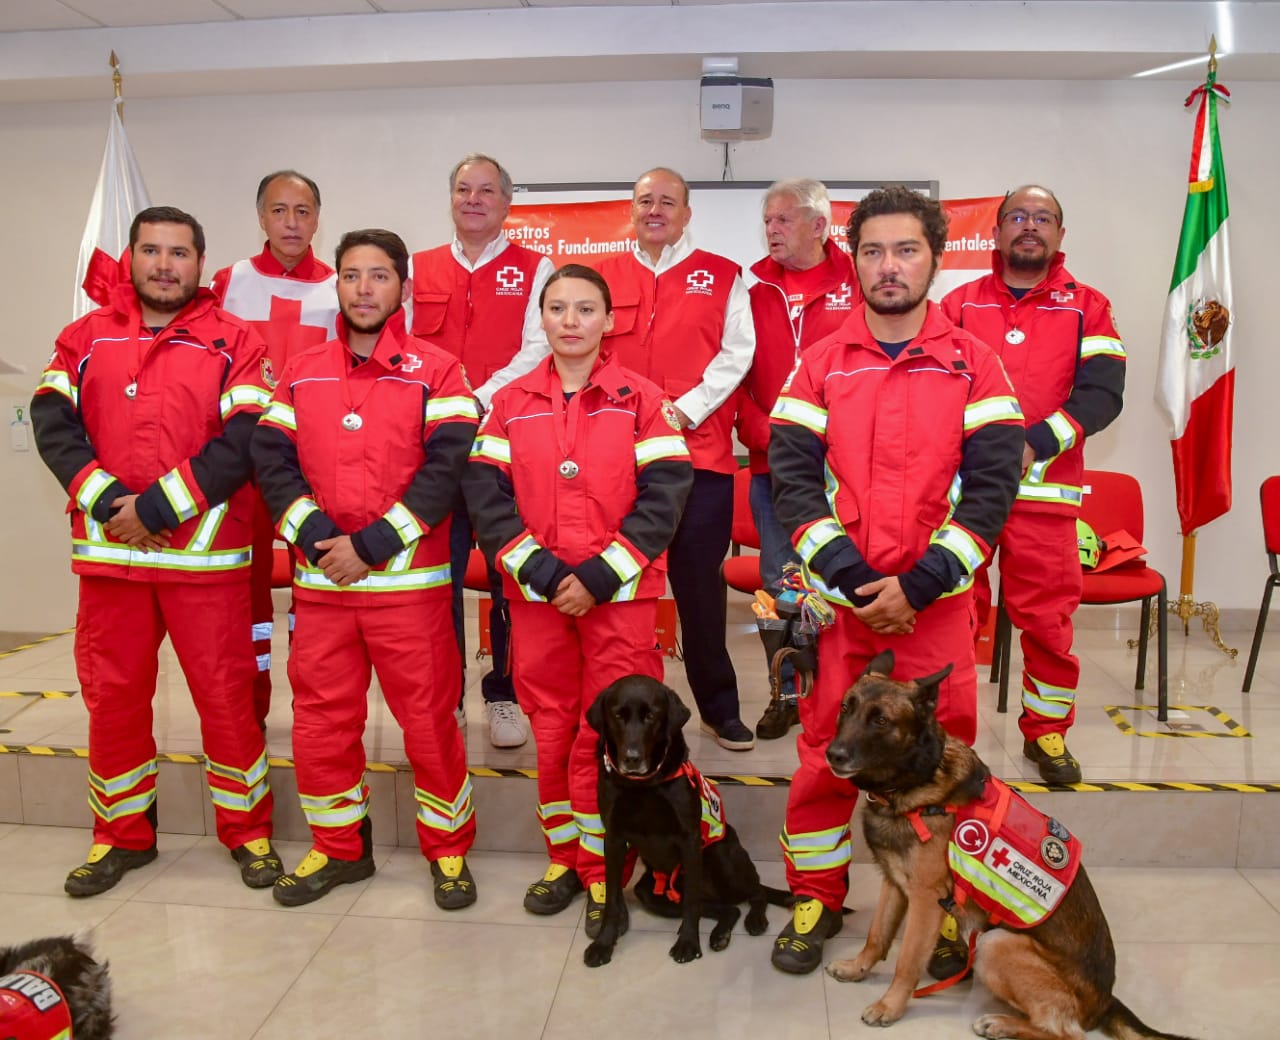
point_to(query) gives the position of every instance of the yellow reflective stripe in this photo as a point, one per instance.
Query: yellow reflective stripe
(1101, 346)
(491, 448)
(309, 577)
(237, 801)
(399, 563)
(1050, 493)
(60, 382)
(156, 559)
(92, 488)
(993, 886)
(518, 555)
(179, 495)
(407, 526)
(245, 777)
(281, 414)
(591, 836)
(441, 815)
(111, 786)
(207, 528)
(328, 801)
(440, 408)
(961, 544)
(558, 824)
(817, 535)
(810, 416)
(246, 394)
(989, 410)
(1064, 433)
(817, 850)
(654, 448)
(139, 803)
(626, 591)
(336, 810)
(290, 526)
(621, 562)
(1047, 700)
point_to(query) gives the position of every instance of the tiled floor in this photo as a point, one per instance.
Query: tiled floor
(195, 954)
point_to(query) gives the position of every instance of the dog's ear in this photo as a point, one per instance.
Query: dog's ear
(881, 664)
(925, 694)
(595, 713)
(677, 713)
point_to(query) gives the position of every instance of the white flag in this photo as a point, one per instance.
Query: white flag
(119, 196)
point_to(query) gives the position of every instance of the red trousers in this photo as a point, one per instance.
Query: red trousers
(815, 837)
(262, 607)
(119, 627)
(559, 666)
(337, 646)
(1040, 579)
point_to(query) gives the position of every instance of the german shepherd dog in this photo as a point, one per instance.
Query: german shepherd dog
(83, 984)
(1058, 973)
(649, 803)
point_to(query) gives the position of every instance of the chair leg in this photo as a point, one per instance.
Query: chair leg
(1272, 581)
(1004, 634)
(1162, 650)
(997, 649)
(1144, 626)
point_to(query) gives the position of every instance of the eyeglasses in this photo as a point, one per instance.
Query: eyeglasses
(1018, 217)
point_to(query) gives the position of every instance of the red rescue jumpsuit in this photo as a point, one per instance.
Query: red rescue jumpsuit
(922, 453)
(592, 486)
(166, 415)
(373, 450)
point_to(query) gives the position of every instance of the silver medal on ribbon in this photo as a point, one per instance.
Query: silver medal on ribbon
(568, 469)
(131, 391)
(1014, 336)
(352, 422)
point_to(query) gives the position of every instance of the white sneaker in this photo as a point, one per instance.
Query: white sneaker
(507, 728)
(460, 715)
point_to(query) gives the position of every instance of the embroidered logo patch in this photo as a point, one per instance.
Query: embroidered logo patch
(700, 282)
(971, 837)
(510, 281)
(1058, 296)
(1054, 853)
(1026, 877)
(669, 413)
(839, 299)
(411, 363)
(268, 373)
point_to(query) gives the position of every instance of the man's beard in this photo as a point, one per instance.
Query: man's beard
(370, 329)
(1028, 261)
(902, 305)
(166, 305)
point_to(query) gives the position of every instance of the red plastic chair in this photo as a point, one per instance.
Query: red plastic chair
(742, 572)
(1270, 494)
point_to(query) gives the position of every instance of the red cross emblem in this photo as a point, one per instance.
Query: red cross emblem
(1058, 296)
(410, 363)
(840, 297)
(701, 279)
(1000, 858)
(511, 277)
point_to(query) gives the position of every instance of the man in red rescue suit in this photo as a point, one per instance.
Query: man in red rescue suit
(576, 484)
(144, 415)
(359, 457)
(288, 296)
(894, 454)
(1059, 344)
(682, 318)
(805, 290)
(477, 297)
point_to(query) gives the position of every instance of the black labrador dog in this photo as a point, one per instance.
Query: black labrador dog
(654, 801)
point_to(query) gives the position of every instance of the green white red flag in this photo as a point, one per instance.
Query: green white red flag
(1195, 381)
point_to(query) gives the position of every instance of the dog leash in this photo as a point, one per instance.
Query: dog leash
(935, 987)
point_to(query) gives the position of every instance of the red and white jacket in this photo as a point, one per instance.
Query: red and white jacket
(902, 467)
(784, 329)
(685, 324)
(1063, 354)
(291, 310)
(167, 415)
(485, 314)
(387, 476)
(592, 486)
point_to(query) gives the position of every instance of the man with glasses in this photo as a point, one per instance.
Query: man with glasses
(1059, 344)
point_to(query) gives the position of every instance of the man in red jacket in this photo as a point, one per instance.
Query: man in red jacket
(359, 457)
(894, 455)
(806, 289)
(477, 297)
(144, 415)
(682, 318)
(288, 295)
(1058, 341)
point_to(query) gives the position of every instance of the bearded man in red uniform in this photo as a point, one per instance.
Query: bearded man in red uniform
(144, 415)
(682, 318)
(1058, 342)
(288, 295)
(477, 298)
(359, 458)
(894, 455)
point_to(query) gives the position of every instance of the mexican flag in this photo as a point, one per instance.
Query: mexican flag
(119, 196)
(1195, 382)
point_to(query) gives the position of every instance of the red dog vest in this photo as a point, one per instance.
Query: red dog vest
(711, 825)
(32, 1008)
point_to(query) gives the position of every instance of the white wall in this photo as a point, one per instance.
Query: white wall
(1116, 153)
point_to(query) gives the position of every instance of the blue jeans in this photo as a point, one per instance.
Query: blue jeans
(775, 550)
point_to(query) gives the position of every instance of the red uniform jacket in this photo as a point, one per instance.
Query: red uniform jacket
(785, 329)
(167, 416)
(905, 467)
(1064, 357)
(374, 450)
(291, 310)
(594, 485)
(669, 329)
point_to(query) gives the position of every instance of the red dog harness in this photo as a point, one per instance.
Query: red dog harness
(32, 1008)
(711, 825)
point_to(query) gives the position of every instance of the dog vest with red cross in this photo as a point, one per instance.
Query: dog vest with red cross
(32, 1008)
(711, 825)
(1011, 859)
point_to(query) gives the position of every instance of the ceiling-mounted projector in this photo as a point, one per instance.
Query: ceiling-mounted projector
(734, 108)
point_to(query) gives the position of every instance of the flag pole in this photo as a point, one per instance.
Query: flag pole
(1185, 606)
(117, 82)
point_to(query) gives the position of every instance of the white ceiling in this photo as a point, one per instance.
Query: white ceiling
(53, 50)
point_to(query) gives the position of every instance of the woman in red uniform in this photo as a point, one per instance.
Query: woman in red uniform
(575, 485)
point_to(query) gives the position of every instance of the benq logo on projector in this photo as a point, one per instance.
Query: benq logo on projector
(726, 107)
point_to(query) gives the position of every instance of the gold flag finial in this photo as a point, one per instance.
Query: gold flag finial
(117, 82)
(1213, 53)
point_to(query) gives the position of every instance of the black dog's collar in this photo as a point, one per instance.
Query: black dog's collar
(612, 767)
